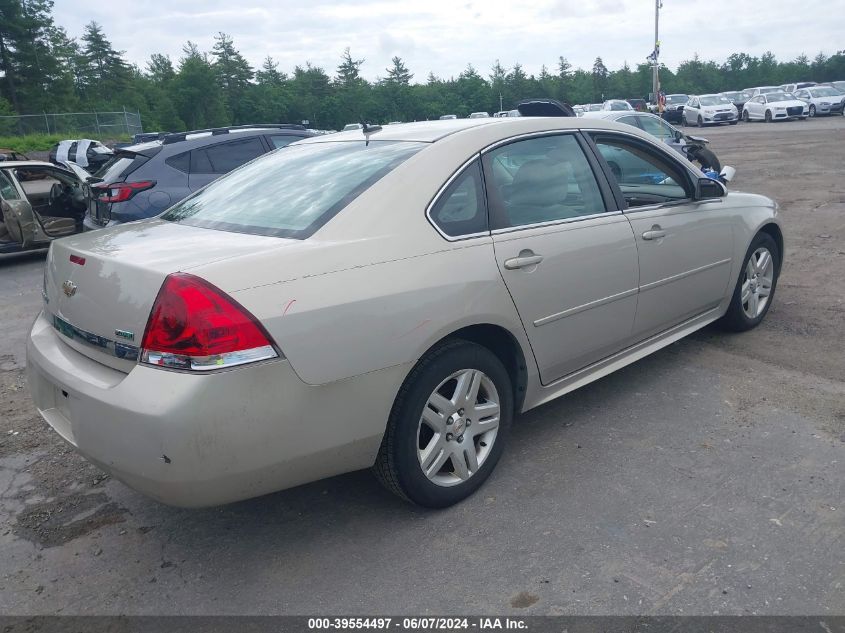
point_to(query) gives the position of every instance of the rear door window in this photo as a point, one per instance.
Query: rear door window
(282, 140)
(119, 166)
(227, 156)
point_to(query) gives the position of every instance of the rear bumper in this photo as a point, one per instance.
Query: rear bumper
(195, 441)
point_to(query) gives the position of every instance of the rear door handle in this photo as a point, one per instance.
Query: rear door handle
(526, 258)
(655, 233)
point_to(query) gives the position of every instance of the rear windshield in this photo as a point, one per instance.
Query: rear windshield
(120, 166)
(293, 191)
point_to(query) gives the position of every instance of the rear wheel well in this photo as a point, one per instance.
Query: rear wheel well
(506, 348)
(774, 231)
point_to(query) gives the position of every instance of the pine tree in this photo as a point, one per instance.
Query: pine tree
(233, 74)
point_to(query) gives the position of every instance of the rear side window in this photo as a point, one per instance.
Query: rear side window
(223, 158)
(461, 210)
(119, 166)
(292, 193)
(182, 162)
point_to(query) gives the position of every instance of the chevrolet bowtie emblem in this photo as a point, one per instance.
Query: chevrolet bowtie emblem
(69, 288)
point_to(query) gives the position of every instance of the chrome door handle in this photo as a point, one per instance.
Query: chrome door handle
(525, 259)
(655, 233)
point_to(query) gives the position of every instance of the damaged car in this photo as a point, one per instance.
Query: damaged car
(40, 202)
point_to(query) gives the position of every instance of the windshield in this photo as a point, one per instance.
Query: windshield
(824, 92)
(677, 99)
(620, 105)
(712, 100)
(774, 97)
(733, 96)
(293, 191)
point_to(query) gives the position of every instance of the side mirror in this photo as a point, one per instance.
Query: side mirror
(679, 136)
(707, 188)
(680, 108)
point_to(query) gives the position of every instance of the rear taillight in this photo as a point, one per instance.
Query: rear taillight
(121, 191)
(197, 327)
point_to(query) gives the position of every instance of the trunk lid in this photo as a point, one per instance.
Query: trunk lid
(100, 286)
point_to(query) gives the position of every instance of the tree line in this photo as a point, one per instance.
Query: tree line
(46, 70)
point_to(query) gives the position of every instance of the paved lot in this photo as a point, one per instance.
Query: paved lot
(705, 479)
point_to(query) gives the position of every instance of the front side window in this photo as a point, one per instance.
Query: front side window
(540, 180)
(644, 175)
(292, 193)
(461, 208)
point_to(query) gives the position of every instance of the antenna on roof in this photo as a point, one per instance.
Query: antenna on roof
(368, 129)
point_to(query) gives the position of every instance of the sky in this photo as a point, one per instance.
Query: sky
(443, 36)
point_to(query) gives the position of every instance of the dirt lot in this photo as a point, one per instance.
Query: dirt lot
(705, 479)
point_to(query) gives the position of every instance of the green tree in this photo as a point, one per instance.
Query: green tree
(233, 74)
(599, 80)
(195, 92)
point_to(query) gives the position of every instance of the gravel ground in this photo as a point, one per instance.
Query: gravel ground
(707, 478)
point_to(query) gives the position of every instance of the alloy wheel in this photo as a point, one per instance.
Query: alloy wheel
(812, 110)
(757, 281)
(458, 427)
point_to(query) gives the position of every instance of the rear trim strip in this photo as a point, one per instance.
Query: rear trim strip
(116, 349)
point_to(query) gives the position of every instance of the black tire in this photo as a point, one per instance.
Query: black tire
(745, 116)
(397, 466)
(708, 160)
(735, 319)
(812, 112)
(700, 121)
(734, 122)
(768, 116)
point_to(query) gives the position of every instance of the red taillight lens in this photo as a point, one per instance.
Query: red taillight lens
(121, 191)
(195, 326)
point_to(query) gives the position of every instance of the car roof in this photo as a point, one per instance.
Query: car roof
(201, 139)
(27, 163)
(503, 127)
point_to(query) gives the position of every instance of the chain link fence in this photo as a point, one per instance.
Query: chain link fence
(73, 124)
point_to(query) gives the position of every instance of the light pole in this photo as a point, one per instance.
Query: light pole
(655, 80)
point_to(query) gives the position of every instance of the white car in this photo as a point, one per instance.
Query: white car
(797, 86)
(616, 104)
(774, 106)
(479, 115)
(709, 110)
(762, 90)
(352, 126)
(822, 100)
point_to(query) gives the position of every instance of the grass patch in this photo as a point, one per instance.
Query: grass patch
(43, 142)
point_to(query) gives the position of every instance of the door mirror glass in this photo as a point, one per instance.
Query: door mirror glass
(707, 188)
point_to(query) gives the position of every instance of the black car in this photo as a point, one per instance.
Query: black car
(673, 109)
(88, 154)
(738, 98)
(143, 180)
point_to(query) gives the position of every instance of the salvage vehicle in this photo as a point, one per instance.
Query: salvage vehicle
(775, 106)
(822, 100)
(738, 98)
(694, 148)
(40, 202)
(673, 108)
(88, 154)
(712, 109)
(387, 298)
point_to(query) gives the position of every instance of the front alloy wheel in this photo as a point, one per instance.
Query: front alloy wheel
(448, 425)
(812, 110)
(755, 288)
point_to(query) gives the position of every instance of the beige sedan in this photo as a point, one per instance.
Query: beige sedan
(387, 298)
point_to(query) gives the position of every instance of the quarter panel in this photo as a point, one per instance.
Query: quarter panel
(359, 320)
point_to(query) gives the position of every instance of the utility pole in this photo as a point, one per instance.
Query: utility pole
(500, 102)
(655, 80)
